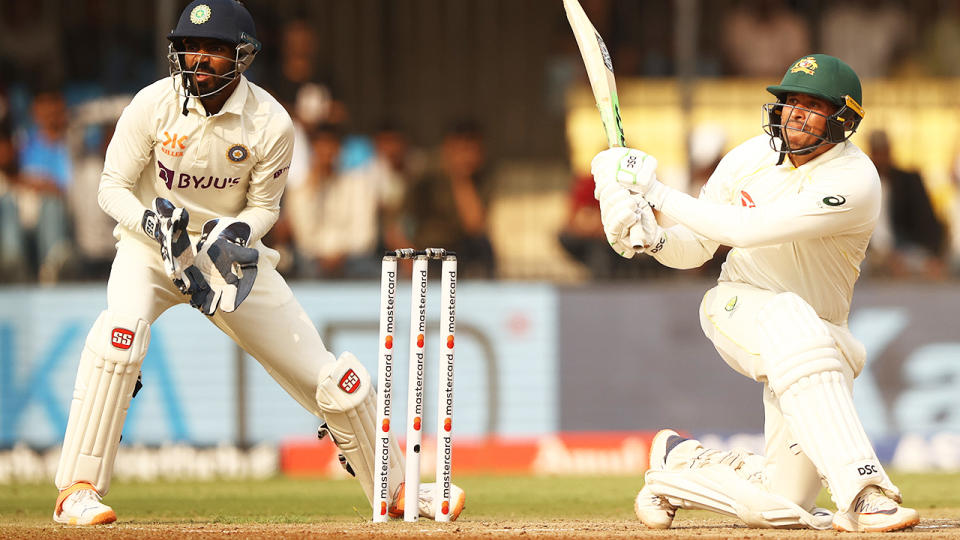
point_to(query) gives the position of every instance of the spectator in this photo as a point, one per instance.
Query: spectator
(582, 236)
(89, 135)
(880, 37)
(30, 42)
(942, 41)
(45, 174)
(955, 217)
(333, 214)
(448, 207)
(762, 36)
(707, 145)
(13, 254)
(394, 167)
(909, 240)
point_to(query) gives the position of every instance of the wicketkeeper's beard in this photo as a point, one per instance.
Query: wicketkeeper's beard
(207, 81)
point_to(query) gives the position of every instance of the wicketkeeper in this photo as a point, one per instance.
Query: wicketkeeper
(194, 175)
(798, 206)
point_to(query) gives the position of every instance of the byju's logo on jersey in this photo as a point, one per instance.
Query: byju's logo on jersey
(173, 145)
(188, 181)
(166, 174)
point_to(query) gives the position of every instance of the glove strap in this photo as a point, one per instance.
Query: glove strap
(151, 224)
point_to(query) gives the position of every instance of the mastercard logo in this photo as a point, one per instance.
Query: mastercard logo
(416, 423)
(420, 340)
(448, 424)
(449, 342)
(388, 343)
(445, 507)
(386, 425)
(383, 508)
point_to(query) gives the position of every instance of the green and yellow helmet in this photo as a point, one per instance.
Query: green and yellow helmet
(825, 77)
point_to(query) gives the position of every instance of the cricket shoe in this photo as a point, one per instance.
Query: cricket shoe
(873, 511)
(653, 510)
(80, 504)
(425, 501)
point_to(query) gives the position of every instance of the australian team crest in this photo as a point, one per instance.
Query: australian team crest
(200, 14)
(237, 153)
(807, 65)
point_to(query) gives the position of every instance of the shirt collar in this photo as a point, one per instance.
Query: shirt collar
(235, 102)
(233, 105)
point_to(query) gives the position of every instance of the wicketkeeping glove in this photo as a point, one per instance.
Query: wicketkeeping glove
(167, 224)
(224, 269)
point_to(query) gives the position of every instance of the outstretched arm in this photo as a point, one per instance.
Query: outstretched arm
(814, 212)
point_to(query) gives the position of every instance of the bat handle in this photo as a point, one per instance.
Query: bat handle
(636, 236)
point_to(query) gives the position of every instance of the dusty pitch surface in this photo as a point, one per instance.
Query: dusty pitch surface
(701, 529)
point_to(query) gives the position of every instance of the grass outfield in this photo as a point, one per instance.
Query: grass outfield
(575, 507)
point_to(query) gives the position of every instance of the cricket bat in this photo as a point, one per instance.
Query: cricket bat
(596, 58)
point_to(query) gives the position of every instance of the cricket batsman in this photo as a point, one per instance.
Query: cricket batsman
(193, 176)
(797, 206)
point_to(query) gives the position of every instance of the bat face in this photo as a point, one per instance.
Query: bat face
(599, 65)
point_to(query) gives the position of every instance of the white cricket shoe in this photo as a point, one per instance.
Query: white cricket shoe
(80, 504)
(425, 501)
(653, 510)
(873, 511)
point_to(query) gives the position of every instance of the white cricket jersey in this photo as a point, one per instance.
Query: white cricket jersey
(793, 229)
(230, 164)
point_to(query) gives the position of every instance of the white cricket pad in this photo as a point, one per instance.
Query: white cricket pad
(729, 483)
(109, 366)
(347, 399)
(804, 369)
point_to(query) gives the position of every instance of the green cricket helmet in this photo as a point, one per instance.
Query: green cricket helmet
(825, 77)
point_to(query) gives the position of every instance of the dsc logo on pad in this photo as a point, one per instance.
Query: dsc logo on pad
(121, 338)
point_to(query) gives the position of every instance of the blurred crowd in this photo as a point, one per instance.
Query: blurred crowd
(353, 193)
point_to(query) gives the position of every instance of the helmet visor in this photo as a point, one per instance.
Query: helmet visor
(799, 130)
(195, 73)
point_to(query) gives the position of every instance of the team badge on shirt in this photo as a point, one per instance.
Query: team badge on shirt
(200, 14)
(237, 153)
(807, 65)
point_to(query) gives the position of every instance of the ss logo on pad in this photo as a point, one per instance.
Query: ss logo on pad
(349, 382)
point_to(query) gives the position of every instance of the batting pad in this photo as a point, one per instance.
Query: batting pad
(109, 366)
(348, 401)
(804, 369)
